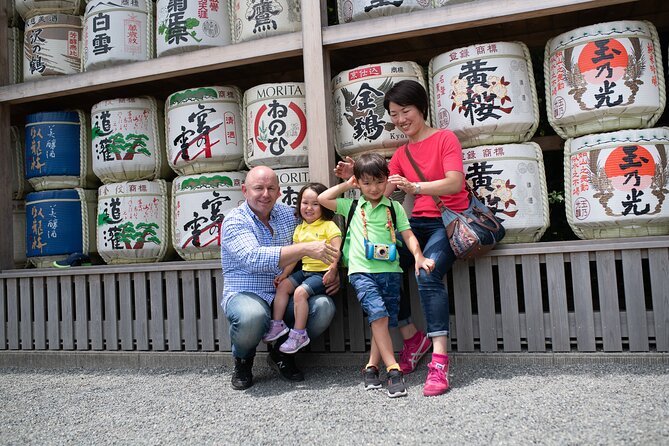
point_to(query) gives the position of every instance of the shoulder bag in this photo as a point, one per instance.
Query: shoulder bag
(472, 232)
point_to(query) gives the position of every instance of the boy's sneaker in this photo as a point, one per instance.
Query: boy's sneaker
(412, 353)
(437, 379)
(370, 378)
(395, 384)
(276, 330)
(294, 342)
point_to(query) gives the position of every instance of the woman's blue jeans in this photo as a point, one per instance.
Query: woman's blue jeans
(431, 235)
(249, 317)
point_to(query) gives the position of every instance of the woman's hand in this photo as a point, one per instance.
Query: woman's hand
(344, 169)
(402, 183)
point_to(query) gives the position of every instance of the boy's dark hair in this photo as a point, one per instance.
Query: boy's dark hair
(326, 214)
(371, 164)
(407, 92)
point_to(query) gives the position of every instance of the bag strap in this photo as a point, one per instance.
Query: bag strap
(348, 223)
(437, 201)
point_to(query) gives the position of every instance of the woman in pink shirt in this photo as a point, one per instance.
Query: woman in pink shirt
(439, 156)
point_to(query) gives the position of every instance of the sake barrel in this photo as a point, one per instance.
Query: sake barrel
(361, 122)
(511, 180)
(275, 125)
(59, 223)
(357, 10)
(257, 19)
(485, 93)
(204, 130)
(19, 225)
(199, 205)
(604, 77)
(15, 55)
(191, 25)
(57, 153)
(291, 181)
(117, 32)
(440, 3)
(127, 140)
(19, 183)
(133, 221)
(617, 184)
(52, 46)
(30, 8)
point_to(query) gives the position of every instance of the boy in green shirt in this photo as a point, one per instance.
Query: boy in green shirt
(373, 264)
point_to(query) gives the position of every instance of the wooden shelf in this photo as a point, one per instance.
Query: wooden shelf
(450, 18)
(155, 71)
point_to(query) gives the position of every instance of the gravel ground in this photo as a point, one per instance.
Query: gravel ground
(588, 403)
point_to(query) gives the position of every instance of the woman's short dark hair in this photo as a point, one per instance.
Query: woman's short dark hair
(407, 92)
(371, 164)
(326, 214)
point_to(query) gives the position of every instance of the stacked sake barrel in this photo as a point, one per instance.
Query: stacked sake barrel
(605, 91)
(205, 148)
(188, 26)
(257, 20)
(358, 10)
(60, 215)
(275, 125)
(117, 32)
(129, 157)
(486, 95)
(52, 38)
(361, 122)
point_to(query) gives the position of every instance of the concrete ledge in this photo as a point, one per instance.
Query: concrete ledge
(197, 360)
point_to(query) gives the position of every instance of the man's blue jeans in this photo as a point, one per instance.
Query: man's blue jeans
(249, 317)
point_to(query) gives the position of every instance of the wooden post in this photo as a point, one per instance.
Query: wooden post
(318, 95)
(6, 164)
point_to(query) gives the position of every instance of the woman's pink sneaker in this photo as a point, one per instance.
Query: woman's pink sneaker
(437, 379)
(413, 351)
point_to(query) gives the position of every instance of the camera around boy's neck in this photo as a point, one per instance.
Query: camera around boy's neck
(372, 188)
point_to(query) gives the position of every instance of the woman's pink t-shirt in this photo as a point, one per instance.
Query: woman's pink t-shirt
(435, 155)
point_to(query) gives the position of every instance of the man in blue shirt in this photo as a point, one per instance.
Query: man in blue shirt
(255, 247)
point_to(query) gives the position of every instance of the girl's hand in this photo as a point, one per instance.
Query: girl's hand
(344, 169)
(278, 279)
(329, 276)
(424, 263)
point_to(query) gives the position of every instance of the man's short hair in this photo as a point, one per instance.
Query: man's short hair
(371, 164)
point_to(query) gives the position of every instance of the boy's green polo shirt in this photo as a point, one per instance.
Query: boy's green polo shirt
(377, 232)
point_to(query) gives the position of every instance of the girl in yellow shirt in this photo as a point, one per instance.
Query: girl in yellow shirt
(314, 276)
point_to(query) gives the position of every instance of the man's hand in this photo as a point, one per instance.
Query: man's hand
(322, 251)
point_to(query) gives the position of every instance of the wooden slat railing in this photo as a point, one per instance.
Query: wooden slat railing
(586, 296)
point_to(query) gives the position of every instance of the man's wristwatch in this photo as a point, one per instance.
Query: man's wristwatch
(416, 190)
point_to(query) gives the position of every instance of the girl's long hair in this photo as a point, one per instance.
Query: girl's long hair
(326, 214)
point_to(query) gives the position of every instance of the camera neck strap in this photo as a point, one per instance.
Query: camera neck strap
(389, 225)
